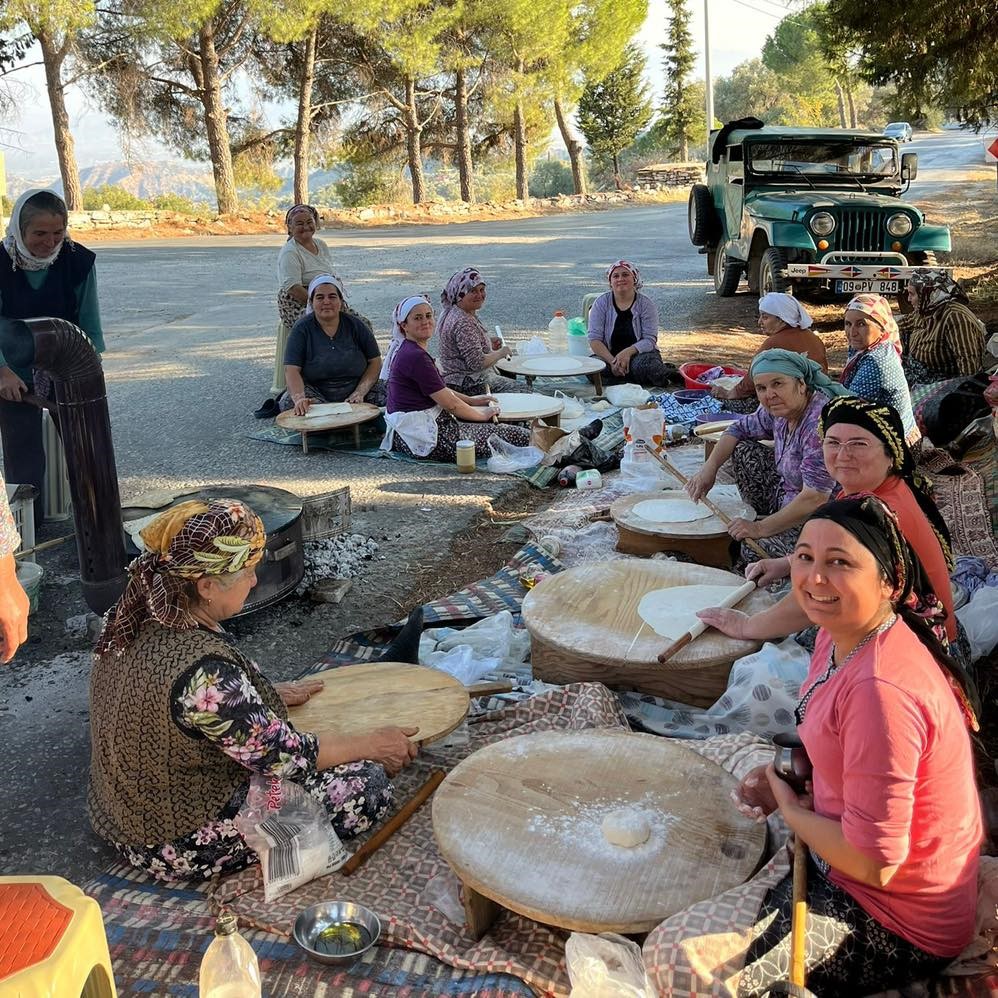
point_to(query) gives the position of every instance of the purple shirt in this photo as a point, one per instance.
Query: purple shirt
(644, 321)
(799, 460)
(413, 379)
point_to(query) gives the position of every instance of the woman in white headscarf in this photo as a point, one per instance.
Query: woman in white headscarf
(43, 273)
(786, 325)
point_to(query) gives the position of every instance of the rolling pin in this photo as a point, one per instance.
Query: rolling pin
(720, 514)
(699, 627)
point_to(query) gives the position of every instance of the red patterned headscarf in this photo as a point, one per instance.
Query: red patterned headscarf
(460, 284)
(194, 539)
(627, 265)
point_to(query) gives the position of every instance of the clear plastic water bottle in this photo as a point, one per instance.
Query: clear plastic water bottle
(229, 968)
(557, 338)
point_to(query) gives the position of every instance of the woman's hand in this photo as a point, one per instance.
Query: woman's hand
(766, 571)
(298, 691)
(391, 747)
(785, 796)
(489, 409)
(740, 528)
(753, 796)
(700, 484)
(622, 362)
(302, 404)
(11, 386)
(356, 396)
(729, 622)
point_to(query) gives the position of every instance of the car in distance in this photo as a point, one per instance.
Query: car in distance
(899, 130)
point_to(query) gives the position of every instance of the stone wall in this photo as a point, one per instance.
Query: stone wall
(664, 175)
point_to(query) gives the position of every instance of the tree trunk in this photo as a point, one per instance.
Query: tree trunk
(413, 141)
(574, 147)
(53, 57)
(616, 172)
(303, 128)
(840, 96)
(216, 123)
(684, 147)
(853, 120)
(520, 149)
(464, 163)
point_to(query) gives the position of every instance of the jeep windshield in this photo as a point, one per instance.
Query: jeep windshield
(826, 159)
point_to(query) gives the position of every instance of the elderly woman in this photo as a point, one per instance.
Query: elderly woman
(623, 331)
(873, 370)
(180, 719)
(426, 418)
(467, 352)
(865, 452)
(942, 337)
(43, 273)
(331, 356)
(792, 391)
(891, 820)
(786, 324)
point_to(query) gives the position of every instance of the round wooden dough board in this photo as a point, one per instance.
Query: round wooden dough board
(360, 697)
(622, 511)
(519, 822)
(516, 406)
(360, 412)
(530, 367)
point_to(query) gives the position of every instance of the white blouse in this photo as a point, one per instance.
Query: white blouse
(295, 265)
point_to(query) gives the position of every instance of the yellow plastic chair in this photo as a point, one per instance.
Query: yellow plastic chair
(52, 941)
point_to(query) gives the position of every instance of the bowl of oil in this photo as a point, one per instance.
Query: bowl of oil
(336, 931)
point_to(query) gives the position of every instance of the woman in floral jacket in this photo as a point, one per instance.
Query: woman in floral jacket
(180, 719)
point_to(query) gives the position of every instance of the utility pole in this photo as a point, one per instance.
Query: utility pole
(706, 58)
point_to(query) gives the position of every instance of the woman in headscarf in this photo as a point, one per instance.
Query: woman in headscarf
(43, 273)
(623, 331)
(180, 719)
(873, 370)
(942, 337)
(467, 353)
(331, 355)
(786, 324)
(891, 818)
(785, 485)
(425, 417)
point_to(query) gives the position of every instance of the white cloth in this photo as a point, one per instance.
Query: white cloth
(295, 265)
(317, 282)
(401, 313)
(787, 308)
(14, 243)
(418, 429)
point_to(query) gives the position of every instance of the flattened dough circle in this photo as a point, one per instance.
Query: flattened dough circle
(671, 510)
(672, 612)
(552, 365)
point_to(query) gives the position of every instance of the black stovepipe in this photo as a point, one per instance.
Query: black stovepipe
(62, 351)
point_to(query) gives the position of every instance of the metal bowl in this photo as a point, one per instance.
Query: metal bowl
(314, 920)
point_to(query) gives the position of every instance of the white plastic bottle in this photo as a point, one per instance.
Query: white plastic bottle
(558, 334)
(229, 968)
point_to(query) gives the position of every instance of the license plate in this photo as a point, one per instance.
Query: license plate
(877, 287)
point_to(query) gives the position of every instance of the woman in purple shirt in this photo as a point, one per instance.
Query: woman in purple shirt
(623, 331)
(786, 485)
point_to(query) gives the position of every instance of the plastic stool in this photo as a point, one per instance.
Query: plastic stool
(52, 941)
(280, 383)
(587, 304)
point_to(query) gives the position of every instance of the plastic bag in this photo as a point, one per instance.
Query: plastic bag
(606, 966)
(573, 408)
(462, 662)
(980, 620)
(507, 458)
(290, 832)
(640, 471)
(534, 346)
(626, 395)
(645, 426)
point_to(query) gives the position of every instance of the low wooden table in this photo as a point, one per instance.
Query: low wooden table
(515, 407)
(534, 367)
(360, 412)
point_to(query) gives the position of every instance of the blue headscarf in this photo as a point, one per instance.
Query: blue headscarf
(797, 365)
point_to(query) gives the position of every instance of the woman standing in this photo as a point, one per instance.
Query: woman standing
(426, 418)
(43, 274)
(623, 331)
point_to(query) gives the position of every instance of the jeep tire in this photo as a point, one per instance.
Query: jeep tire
(770, 277)
(727, 273)
(701, 216)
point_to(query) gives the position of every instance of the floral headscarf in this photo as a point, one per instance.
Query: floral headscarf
(627, 265)
(878, 309)
(796, 365)
(191, 540)
(934, 288)
(13, 241)
(299, 207)
(460, 284)
(401, 313)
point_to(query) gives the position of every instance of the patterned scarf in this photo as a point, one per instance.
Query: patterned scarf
(460, 284)
(299, 207)
(934, 288)
(627, 265)
(13, 243)
(878, 309)
(796, 365)
(191, 540)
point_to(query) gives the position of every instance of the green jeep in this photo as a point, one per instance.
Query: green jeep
(809, 209)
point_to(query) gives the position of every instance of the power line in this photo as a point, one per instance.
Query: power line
(759, 10)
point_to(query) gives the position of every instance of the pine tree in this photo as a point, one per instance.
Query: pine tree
(680, 108)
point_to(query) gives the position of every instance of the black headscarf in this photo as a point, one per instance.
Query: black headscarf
(875, 526)
(885, 424)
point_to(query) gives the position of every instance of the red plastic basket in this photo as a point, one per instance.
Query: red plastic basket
(691, 373)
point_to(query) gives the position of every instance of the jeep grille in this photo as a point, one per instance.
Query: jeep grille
(862, 230)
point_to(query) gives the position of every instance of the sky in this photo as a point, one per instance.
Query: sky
(738, 29)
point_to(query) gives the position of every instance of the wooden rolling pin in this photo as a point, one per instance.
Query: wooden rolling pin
(719, 513)
(699, 627)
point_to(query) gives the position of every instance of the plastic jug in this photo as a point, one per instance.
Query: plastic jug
(557, 338)
(229, 968)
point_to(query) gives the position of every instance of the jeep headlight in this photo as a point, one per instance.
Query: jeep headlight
(822, 223)
(899, 224)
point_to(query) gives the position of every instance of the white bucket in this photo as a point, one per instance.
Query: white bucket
(578, 345)
(29, 574)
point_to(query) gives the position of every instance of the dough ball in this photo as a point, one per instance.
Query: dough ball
(626, 827)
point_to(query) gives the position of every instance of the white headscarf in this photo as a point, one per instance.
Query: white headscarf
(787, 308)
(401, 313)
(324, 279)
(13, 241)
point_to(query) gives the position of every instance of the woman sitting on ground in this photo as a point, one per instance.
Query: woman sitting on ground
(786, 324)
(623, 331)
(942, 337)
(180, 719)
(43, 274)
(331, 355)
(891, 819)
(786, 484)
(468, 353)
(865, 452)
(426, 418)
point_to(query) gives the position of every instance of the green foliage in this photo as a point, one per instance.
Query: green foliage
(682, 108)
(551, 177)
(116, 198)
(174, 202)
(6, 205)
(367, 183)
